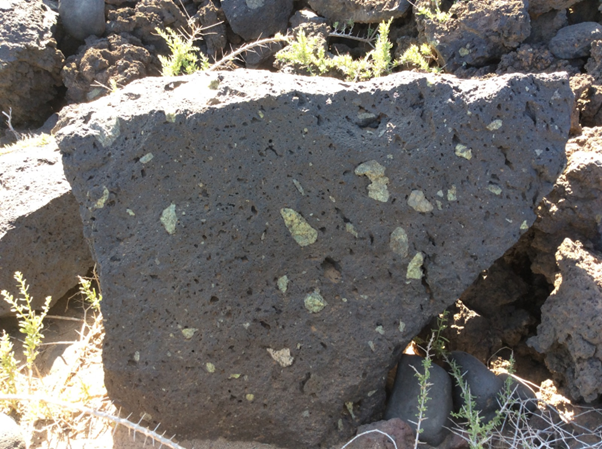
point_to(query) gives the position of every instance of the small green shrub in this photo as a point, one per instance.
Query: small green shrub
(309, 54)
(417, 57)
(185, 57)
(30, 322)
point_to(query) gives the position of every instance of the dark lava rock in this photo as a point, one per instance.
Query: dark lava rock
(30, 64)
(594, 63)
(570, 333)
(11, 436)
(545, 27)
(262, 254)
(106, 64)
(476, 33)
(533, 58)
(400, 431)
(572, 208)
(83, 18)
(213, 19)
(484, 385)
(575, 41)
(405, 399)
(537, 7)
(40, 230)
(143, 20)
(360, 11)
(254, 19)
(521, 392)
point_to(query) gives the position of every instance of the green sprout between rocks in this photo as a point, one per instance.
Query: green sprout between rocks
(309, 54)
(418, 57)
(185, 57)
(30, 322)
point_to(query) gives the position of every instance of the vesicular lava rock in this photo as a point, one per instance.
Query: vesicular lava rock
(231, 151)
(570, 333)
(30, 63)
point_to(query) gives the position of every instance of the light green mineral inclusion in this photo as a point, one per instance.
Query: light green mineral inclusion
(402, 326)
(301, 231)
(464, 51)
(415, 267)
(169, 219)
(495, 189)
(463, 151)
(451, 194)
(210, 367)
(380, 330)
(283, 283)
(254, 4)
(107, 130)
(495, 125)
(351, 230)
(314, 302)
(147, 158)
(418, 202)
(189, 332)
(399, 242)
(299, 187)
(524, 226)
(100, 203)
(376, 174)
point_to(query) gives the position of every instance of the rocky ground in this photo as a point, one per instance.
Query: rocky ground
(542, 298)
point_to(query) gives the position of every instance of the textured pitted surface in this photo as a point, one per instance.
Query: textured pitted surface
(570, 333)
(267, 244)
(40, 229)
(30, 63)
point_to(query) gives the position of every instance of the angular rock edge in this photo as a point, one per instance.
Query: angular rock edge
(188, 319)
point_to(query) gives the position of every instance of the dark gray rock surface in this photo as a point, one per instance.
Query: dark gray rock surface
(570, 333)
(572, 208)
(254, 19)
(405, 399)
(476, 32)
(83, 18)
(483, 384)
(41, 232)
(104, 64)
(575, 41)
(360, 11)
(30, 63)
(537, 7)
(267, 244)
(11, 436)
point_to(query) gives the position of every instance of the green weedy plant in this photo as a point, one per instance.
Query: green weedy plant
(308, 53)
(30, 323)
(185, 57)
(416, 57)
(8, 365)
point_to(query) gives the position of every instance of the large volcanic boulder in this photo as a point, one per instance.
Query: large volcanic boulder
(30, 63)
(268, 244)
(40, 229)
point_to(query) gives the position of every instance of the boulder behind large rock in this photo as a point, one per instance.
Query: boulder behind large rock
(268, 244)
(30, 63)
